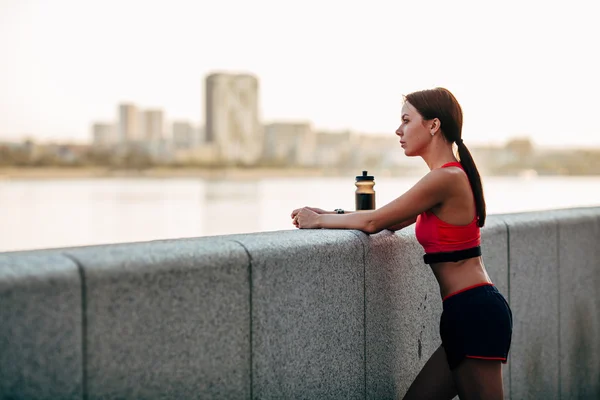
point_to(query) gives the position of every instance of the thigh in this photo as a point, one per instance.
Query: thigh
(435, 380)
(479, 379)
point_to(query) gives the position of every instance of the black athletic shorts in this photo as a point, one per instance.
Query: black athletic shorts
(476, 323)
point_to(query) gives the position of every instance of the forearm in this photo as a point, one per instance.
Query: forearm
(366, 223)
(349, 220)
(402, 224)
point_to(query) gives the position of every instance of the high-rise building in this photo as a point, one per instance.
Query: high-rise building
(153, 126)
(335, 148)
(290, 143)
(103, 135)
(232, 120)
(184, 135)
(128, 126)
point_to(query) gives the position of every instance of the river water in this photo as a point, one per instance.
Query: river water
(36, 214)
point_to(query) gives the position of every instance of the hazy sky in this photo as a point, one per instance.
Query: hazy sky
(517, 67)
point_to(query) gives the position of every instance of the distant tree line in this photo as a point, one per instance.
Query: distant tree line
(29, 155)
(523, 156)
(517, 155)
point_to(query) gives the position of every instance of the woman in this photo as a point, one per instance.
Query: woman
(449, 208)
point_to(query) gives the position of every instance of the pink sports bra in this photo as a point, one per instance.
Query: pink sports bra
(446, 242)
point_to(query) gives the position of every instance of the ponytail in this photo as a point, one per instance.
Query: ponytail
(466, 160)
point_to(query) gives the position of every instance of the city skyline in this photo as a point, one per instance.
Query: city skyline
(338, 73)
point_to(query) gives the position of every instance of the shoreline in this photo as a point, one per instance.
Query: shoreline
(162, 173)
(11, 173)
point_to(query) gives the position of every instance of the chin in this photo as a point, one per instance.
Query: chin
(408, 153)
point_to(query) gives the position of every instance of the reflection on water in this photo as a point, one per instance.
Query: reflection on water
(59, 213)
(227, 190)
(230, 207)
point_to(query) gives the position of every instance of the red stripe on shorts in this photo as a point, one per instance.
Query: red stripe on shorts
(488, 358)
(468, 288)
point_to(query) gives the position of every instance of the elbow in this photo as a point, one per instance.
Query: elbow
(372, 228)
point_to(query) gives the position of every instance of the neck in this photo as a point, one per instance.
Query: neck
(438, 153)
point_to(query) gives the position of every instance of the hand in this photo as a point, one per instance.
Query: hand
(306, 217)
(317, 210)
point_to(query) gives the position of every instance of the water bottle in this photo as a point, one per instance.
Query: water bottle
(365, 194)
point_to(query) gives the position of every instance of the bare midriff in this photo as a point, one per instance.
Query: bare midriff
(456, 276)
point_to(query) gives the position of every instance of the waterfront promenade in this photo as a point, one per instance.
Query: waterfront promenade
(312, 314)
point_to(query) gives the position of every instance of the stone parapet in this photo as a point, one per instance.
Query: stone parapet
(321, 314)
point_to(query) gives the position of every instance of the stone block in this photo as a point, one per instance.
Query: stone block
(579, 275)
(167, 319)
(307, 314)
(403, 310)
(533, 296)
(41, 354)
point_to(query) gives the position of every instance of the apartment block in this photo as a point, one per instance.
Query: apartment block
(232, 117)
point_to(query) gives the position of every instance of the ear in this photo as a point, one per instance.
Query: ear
(435, 126)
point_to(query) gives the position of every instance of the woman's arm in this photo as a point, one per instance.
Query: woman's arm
(356, 223)
(430, 191)
(321, 211)
(403, 224)
(394, 228)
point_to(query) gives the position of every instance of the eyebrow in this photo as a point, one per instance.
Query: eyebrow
(404, 115)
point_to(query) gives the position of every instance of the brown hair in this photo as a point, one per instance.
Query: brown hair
(441, 104)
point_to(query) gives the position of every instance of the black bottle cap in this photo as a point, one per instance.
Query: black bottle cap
(365, 177)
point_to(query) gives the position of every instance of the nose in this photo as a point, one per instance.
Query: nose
(399, 131)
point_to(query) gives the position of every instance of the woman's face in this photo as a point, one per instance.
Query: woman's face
(414, 135)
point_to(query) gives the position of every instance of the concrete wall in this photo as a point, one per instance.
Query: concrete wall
(41, 319)
(579, 304)
(167, 319)
(326, 314)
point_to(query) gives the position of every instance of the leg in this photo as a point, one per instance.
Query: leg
(434, 381)
(479, 379)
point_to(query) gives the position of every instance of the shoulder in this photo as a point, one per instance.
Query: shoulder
(435, 187)
(441, 179)
(430, 191)
(441, 184)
